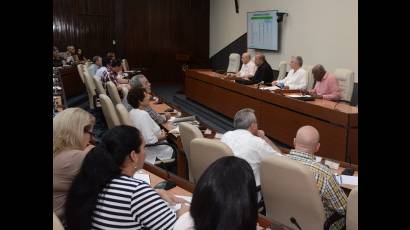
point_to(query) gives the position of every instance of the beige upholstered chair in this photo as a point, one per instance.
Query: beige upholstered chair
(345, 80)
(352, 210)
(188, 132)
(80, 68)
(234, 63)
(113, 92)
(309, 75)
(109, 112)
(57, 223)
(90, 87)
(292, 192)
(123, 115)
(282, 70)
(125, 66)
(204, 152)
(99, 86)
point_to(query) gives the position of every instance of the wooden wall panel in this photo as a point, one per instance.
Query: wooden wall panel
(149, 33)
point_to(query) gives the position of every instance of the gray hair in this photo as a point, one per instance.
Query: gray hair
(300, 60)
(244, 118)
(136, 81)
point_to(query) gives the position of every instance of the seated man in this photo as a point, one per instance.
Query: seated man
(139, 100)
(97, 63)
(106, 64)
(334, 199)
(263, 72)
(326, 86)
(248, 68)
(113, 74)
(140, 81)
(296, 78)
(250, 144)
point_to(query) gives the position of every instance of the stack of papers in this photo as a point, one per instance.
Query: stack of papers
(298, 95)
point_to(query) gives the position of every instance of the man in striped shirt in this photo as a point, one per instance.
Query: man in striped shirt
(334, 199)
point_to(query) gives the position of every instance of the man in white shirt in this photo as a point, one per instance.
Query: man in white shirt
(249, 143)
(248, 68)
(296, 78)
(151, 132)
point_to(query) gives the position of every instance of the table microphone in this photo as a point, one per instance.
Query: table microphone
(293, 221)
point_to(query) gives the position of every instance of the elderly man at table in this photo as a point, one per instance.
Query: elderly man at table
(263, 72)
(296, 78)
(97, 63)
(250, 143)
(326, 86)
(334, 199)
(248, 68)
(141, 81)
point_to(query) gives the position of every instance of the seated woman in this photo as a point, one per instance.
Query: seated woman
(139, 100)
(224, 198)
(104, 195)
(72, 131)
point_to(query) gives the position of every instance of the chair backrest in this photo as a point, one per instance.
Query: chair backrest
(204, 152)
(125, 65)
(113, 92)
(188, 132)
(80, 68)
(289, 190)
(123, 115)
(352, 210)
(282, 70)
(57, 223)
(109, 111)
(309, 75)
(90, 87)
(234, 63)
(99, 86)
(345, 80)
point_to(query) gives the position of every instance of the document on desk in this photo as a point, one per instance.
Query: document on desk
(298, 95)
(187, 198)
(348, 180)
(142, 176)
(269, 87)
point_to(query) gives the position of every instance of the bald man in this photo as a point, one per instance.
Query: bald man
(264, 71)
(248, 68)
(334, 199)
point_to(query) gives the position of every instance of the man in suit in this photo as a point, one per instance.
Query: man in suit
(264, 71)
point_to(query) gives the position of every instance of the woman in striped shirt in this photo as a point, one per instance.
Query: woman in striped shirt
(105, 195)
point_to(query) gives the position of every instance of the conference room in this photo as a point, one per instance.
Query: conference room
(206, 114)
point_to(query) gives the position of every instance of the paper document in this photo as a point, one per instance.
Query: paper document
(270, 87)
(348, 180)
(187, 198)
(142, 176)
(297, 95)
(172, 119)
(175, 130)
(318, 159)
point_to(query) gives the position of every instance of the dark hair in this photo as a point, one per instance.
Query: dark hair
(225, 196)
(99, 167)
(106, 61)
(115, 63)
(135, 95)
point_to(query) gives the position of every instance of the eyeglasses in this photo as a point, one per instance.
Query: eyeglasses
(88, 130)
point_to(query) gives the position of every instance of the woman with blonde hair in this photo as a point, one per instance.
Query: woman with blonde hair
(72, 133)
